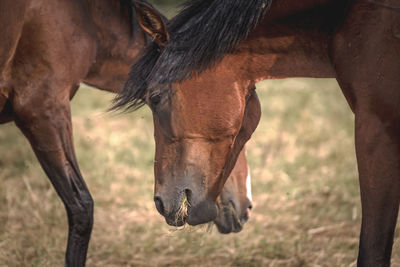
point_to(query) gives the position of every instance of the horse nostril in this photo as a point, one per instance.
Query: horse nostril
(159, 205)
(247, 216)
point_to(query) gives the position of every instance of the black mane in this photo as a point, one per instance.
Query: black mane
(201, 34)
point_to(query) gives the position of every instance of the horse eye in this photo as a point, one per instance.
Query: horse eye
(155, 99)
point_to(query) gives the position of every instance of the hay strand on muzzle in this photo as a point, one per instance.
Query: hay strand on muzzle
(182, 213)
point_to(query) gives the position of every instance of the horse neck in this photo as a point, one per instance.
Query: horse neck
(111, 21)
(118, 43)
(291, 41)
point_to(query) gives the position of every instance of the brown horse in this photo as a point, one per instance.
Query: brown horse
(201, 91)
(47, 49)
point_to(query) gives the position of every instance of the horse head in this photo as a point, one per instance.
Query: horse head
(199, 132)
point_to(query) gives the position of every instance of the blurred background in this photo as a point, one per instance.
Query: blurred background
(305, 188)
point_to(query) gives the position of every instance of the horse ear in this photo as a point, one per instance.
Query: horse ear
(151, 21)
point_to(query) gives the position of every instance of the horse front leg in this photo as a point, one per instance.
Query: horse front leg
(365, 54)
(378, 157)
(47, 125)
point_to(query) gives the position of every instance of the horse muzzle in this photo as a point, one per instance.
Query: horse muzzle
(229, 219)
(184, 208)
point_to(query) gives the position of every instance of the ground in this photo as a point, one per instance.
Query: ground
(305, 189)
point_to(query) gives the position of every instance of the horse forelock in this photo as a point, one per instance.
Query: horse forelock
(201, 34)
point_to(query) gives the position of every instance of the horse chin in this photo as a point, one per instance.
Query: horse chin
(204, 212)
(227, 220)
(176, 222)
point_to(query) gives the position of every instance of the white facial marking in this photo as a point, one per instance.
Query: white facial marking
(248, 184)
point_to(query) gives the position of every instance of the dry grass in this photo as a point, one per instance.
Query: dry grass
(306, 197)
(183, 210)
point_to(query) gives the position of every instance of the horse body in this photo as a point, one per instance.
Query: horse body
(357, 42)
(363, 55)
(296, 48)
(50, 48)
(57, 44)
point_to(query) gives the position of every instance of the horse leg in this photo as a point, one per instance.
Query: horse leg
(378, 157)
(46, 122)
(364, 54)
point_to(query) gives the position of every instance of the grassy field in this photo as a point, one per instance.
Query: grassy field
(306, 197)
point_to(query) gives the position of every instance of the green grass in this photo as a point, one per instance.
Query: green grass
(305, 189)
